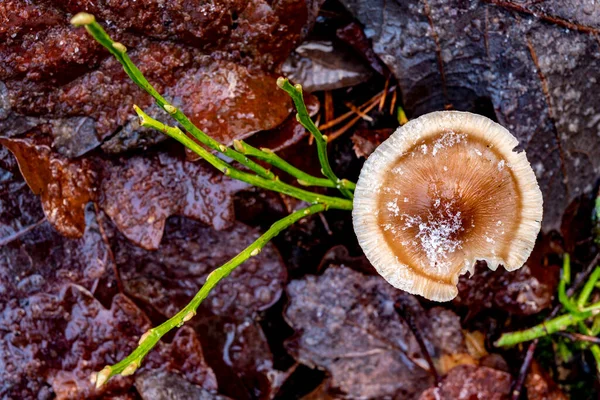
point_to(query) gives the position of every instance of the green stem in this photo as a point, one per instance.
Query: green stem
(295, 92)
(588, 288)
(303, 178)
(129, 364)
(274, 185)
(565, 279)
(547, 328)
(120, 53)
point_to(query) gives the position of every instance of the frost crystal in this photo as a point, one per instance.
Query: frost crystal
(437, 235)
(448, 139)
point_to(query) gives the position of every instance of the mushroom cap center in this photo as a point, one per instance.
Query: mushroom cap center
(447, 200)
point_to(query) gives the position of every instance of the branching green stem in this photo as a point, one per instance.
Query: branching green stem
(264, 178)
(274, 185)
(120, 53)
(547, 328)
(295, 92)
(129, 364)
(303, 178)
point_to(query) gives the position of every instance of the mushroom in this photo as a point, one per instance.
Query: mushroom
(445, 190)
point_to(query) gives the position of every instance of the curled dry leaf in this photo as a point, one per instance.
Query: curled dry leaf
(346, 324)
(467, 382)
(534, 65)
(218, 61)
(64, 186)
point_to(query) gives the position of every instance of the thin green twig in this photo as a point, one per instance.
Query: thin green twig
(547, 328)
(119, 51)
(129, 364)
(274, 185)
(303, 178)
(295, 92)
(588, 288)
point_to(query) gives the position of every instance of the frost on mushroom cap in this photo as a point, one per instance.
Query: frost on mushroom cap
(445, 190)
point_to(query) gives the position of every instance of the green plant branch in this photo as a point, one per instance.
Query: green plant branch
(295, 92)
(588, 288)
(565, 279)
(578, 313)
(274, 185)
(119, 51)
(547, 328)
(303, 178)
(129, 364)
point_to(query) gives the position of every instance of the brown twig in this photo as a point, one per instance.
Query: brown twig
(405, 314)
(350, 113)
(578, 337)
(384, 97)
(350, 124)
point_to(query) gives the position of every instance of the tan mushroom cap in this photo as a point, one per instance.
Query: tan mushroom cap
(445, 190)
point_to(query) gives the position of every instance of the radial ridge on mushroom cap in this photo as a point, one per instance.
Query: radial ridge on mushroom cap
(445, 190)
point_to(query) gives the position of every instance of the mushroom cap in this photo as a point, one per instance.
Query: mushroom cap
(445, 190)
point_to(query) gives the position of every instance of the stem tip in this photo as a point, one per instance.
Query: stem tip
(120, 47)
(103, 376)
(82, 18)
(281, 81)
(239, 146)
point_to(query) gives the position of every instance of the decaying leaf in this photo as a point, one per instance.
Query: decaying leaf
(347, 324)
(528, 63)
(167, 278)
(64, 186)
(20, 209)
(140, 192)
(217, 61)
(467, 382)
(57, 332)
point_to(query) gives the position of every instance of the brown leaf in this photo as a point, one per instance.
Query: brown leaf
(366, 141)
(139, 193)
(346, 323)
(64, 186)
(540, 385)
(532, 65)
(20, 209)
(168, 277)
(58, 333)
(217, 61)
(467, 382)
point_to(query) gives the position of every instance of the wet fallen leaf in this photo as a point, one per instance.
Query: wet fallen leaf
(530, 64)
(64, 186)
(57, 331)
(346, 323)
(467, 382)
(167, 278)
(540, 385)
(20, 209)
(139, 193)
(217, 61)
